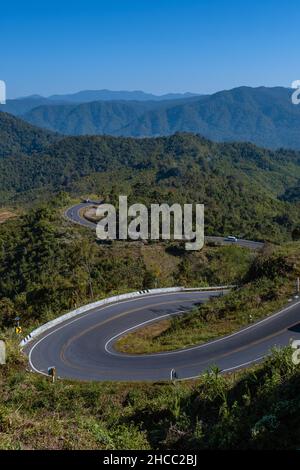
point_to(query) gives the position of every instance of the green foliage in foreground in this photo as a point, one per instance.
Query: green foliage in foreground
(256, 409)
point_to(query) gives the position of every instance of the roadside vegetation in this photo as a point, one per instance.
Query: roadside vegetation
(49, 266)
(254, 409)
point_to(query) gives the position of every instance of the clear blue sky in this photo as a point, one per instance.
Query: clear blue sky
(155, 45)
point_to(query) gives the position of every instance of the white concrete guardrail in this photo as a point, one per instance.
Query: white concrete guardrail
(117, 298)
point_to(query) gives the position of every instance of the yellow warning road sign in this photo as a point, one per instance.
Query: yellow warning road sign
(18, 330)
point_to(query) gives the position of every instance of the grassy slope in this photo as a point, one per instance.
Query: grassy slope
(258, 408)
(266, 287)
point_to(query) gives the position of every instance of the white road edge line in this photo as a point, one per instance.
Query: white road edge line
(94, 312)
(170, 352)
(138, 295)
(257, 359)
(153, 320)
(223, 338)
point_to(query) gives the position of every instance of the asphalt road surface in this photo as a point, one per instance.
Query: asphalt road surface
(83, 347)
(73, 214)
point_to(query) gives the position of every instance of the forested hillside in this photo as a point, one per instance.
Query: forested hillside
(263, 116)
(17, 137)
(243, 187)
(98, 117)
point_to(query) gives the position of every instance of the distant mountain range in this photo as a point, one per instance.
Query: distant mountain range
(264, 116)
(19, 106)
(108, 95)
(99, 117)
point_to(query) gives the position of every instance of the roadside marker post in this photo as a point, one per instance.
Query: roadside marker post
(52, 373)
(2, 352)
(173, 375)
(297, 293)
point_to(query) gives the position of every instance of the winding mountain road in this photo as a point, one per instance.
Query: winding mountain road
(83, 347)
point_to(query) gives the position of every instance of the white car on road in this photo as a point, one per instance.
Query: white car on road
(231, 238)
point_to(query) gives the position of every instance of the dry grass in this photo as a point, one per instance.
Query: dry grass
(89, 214)
(5, 215)
(159, 337)
(139, 341)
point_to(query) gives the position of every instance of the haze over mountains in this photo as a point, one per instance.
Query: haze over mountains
(19, 106)
(109, 95)
(264, 116)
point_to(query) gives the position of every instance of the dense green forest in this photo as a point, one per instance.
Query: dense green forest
(245, 189)
(98, 117)
(18, 137)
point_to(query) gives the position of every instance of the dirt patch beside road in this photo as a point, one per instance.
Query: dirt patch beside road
(5, 215)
